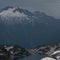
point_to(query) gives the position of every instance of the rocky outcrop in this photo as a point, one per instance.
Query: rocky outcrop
(16, 51)
(12, 52)
(52, 51)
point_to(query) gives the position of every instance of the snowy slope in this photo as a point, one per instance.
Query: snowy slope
(9, 13)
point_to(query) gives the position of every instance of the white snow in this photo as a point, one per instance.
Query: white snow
(8, 48)
(58, 57)
(9, 13)
(55, 52)
(48, 58)
(9, 16)
(11, 52)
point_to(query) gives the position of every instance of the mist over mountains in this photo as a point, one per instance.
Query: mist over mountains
(29, 29)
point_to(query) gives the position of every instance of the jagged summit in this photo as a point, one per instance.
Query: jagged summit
(12, 12)
(16, 9)
(13, 15)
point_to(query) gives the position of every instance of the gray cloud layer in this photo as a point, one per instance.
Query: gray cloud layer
(50, 7)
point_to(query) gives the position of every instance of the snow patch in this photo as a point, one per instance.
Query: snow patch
(8, 47)
(48, 58)
(55, 52)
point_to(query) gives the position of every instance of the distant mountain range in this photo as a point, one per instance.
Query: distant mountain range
(29, 29)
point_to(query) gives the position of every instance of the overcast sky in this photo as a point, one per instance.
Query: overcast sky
(50, 7)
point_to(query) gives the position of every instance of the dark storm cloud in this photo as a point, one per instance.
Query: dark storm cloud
(50, 7)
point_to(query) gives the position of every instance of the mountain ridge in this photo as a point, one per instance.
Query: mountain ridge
(39, 28)
(11, 13)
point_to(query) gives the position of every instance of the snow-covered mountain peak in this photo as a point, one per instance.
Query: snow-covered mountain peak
(13, 15)
(16, 14)
(9, 12)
